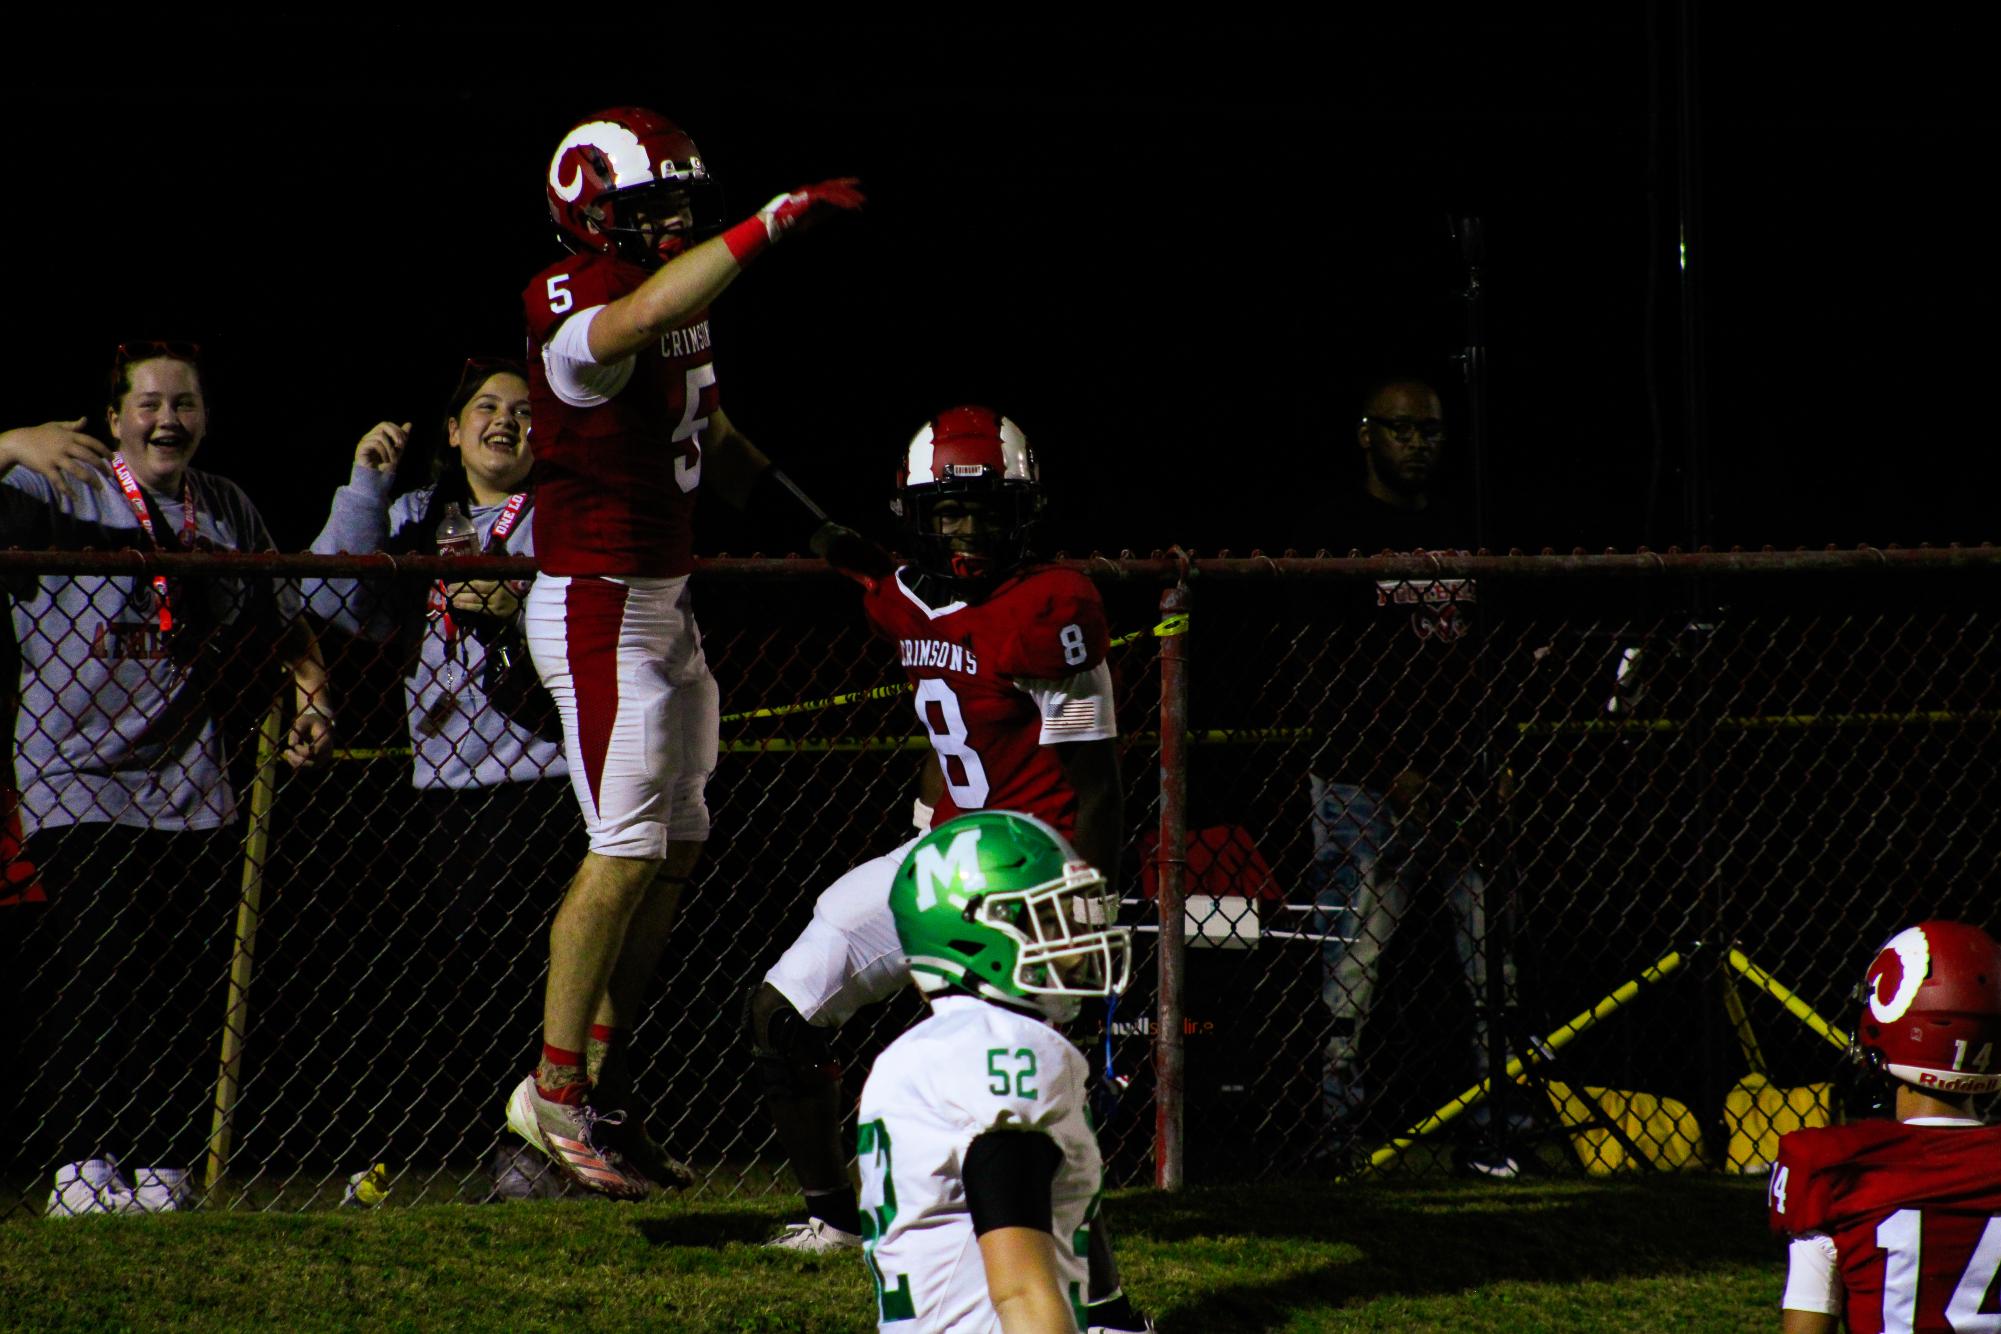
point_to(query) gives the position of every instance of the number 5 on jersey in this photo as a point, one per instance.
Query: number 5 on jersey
(687, 463)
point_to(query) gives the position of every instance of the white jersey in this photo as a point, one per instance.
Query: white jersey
(970, 1068)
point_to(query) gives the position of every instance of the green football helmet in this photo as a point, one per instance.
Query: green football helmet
(1000, 905)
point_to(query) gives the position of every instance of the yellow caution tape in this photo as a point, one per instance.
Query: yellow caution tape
(1247, 736)
(814, 706)
(1760, 723)
(1173, 625)
(1539, 1050)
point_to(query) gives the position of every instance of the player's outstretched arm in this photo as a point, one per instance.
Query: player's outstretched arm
(676, 290)
(688, 282)
(1806, 1322)
(1022, 1281)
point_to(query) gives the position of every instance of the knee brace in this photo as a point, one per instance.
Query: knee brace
(792, 1057)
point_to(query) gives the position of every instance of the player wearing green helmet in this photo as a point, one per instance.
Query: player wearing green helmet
(999, 905)
(980, 1170)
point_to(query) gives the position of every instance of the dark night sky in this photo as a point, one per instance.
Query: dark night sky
(1175, 257)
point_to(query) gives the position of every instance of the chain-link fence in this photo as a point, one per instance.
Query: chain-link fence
(1738, 773)
(1641, 819)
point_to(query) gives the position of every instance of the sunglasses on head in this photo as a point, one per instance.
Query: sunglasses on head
(147, 349)
(480, 369)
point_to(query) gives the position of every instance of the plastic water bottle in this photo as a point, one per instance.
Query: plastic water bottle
(456, 534)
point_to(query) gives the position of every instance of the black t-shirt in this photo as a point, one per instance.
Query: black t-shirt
(1404, 690)
(1367, 525)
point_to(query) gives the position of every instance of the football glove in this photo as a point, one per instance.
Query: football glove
(788, 211)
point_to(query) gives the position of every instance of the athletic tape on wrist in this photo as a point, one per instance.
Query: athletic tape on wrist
(747, 238)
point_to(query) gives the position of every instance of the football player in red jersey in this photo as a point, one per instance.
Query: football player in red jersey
(1899, 1222)
(1007, 660)
(627, 426)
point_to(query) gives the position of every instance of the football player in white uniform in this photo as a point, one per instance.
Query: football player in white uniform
(980, 1172)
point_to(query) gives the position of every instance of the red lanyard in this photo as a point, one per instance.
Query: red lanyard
(504, 525)
(137, 499)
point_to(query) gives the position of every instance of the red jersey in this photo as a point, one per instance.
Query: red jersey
(1915, 1214)
(615, 482)
(986, 676)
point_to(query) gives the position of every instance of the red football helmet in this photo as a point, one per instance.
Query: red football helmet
(978, 465)
(1931, 1009)
(631, 181)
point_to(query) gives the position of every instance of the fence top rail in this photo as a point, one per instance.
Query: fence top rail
(1643, 562)
(1157, 567)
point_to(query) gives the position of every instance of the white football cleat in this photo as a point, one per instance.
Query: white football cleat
(815, 1236)
(161, 1190)
(92, 1186)
(572, 1138)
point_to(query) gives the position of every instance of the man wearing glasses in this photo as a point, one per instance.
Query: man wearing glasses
(1402, 434)
(1400, 827)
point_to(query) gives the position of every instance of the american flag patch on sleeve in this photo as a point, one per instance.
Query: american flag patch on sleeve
(1076, 716)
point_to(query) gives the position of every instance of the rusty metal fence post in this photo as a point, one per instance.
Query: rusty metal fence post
(1169, 1057)
(236, 1018)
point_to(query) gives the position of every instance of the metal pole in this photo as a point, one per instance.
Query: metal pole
(1472, 358)
(256, 847)
(1796, 1007)
(1538, 1050)
(1172, 862)
(1691, 256)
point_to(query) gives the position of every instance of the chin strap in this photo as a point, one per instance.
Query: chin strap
(1115, 1084)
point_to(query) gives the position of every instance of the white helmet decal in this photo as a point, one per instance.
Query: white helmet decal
(918, 467)
(921, 465)
(621, 147)
(1914, 958)
(1014, 452)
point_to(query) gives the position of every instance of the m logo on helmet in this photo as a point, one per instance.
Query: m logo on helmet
(936, 871)
(1893, 980)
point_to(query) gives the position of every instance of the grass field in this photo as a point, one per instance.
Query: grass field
(1681, 1253)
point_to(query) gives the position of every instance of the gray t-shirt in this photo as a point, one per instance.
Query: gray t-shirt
(113, 726)
(458, 741)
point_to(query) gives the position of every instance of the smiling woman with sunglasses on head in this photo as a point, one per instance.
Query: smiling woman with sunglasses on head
(460, 738)
(488, 763)
(127, 683)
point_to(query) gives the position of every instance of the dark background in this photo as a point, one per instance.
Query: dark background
(1175, 254)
